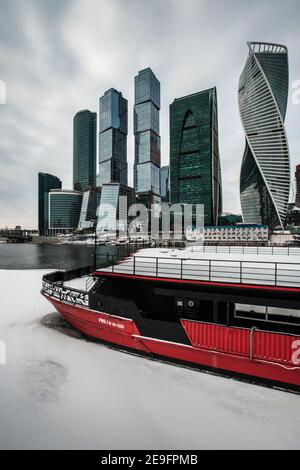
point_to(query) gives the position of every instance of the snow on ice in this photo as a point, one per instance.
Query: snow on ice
(58, 391)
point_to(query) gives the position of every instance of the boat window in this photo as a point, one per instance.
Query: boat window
(267, 314)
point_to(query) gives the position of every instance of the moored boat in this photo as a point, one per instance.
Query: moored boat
(232, 316)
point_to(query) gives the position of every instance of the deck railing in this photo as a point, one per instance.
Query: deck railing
(231, 271)
(252, 250)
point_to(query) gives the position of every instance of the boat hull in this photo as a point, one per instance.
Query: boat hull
(123, 333)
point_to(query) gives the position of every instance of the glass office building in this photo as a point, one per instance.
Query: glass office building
(195, 171)
(46, 182)
(113, 210)
(84, 150)
(113, 130)
(265, 171)
(147, 138)
(64, 210)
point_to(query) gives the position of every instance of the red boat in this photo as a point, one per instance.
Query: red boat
(237, 318)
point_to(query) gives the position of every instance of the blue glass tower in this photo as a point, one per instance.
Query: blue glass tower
(113, 130)
(147, 138)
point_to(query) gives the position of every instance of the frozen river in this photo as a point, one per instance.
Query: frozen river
(62, 392)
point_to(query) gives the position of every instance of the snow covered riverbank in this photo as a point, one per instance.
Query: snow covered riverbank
(61, 392)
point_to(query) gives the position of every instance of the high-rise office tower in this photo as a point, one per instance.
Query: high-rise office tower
(297, 176)
(164, 183)
(84, 150)
(195, 171)
(147, 139)
(115, 202)
(265, 172)
(64, 210)
(46, 182)
(113, 130)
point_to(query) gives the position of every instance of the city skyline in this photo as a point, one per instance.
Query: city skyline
(55, 73)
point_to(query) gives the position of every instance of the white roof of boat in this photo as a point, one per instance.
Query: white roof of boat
(196, 265)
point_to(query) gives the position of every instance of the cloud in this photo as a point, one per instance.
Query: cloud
(59, 57)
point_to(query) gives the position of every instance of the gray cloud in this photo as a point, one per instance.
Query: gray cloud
(57, 57)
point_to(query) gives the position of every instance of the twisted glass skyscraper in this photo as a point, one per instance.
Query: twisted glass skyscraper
(265, 172)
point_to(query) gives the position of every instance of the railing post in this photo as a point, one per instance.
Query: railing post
(181, 268)
(133, 265)
(156, 267)
(209, 270)
(251, 349)
(276, 267)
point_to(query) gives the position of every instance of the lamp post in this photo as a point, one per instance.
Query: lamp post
(95, 245)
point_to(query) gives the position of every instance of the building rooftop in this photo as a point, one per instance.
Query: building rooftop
(266, 47)
(195, 94)
(65, 191)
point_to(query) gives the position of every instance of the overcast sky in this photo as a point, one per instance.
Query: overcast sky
(59, 56)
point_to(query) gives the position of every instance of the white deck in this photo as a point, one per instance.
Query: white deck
(246, 268)
(79, 283)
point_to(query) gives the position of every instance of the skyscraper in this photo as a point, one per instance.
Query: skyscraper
(195, 171)
(297, 176)
(265, 172)
(113, 130)
(46, 182)
(64, 210)
(113, 209)
(147, 139)
(84, 150)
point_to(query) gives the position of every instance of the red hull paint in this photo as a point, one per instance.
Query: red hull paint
(123, 332)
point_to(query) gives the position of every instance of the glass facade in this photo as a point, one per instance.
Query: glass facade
(195, 171)
(46, 182)
(265, 171)
(110, 212)
(84, 150)
(146, 131)
(64, 210)
(113, 130)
